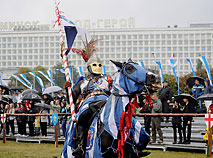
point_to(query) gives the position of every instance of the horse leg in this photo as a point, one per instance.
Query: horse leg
(106, 143)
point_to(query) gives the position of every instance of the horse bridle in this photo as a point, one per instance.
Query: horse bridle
(122, 71)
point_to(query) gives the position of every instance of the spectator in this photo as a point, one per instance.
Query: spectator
(176, 122)
(22, 120)
(43, 122)
(12, 118)
(165, 97)
(187, 120)
(47, 100)
(63, 118)
(62, 97)
(2, 110)
(17, 111)
(56, 109)
(56, 97)
(7, 109)
(145, 109)
(37, 125)
(207, 90)
(198, 90)
(31, 119)
(156, 121)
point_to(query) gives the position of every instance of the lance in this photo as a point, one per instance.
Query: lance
(65, 60)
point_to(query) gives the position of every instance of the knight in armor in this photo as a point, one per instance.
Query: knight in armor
(89, 96)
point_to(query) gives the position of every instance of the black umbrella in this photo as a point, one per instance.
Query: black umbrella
(14, 88)
(42, 105)
(3, 102)
(188, 96)
(191, 81)
(31, 96)
(208, 96)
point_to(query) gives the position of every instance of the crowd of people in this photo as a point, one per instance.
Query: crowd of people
(12, 104)
(162, 103)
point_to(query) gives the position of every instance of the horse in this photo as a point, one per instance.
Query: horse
(115, 132)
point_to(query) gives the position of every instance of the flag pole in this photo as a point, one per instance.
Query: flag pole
(65, 58)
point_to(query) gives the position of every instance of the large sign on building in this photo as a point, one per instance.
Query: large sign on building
(13, 26)
(106, 23)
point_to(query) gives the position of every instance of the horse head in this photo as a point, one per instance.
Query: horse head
(133, 78)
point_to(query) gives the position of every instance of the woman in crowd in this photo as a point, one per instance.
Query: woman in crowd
(176, 122)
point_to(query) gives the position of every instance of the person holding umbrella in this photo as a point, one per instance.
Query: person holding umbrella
(198, 90)
(187, 120)
(176, 122)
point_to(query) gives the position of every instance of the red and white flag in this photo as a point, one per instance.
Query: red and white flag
(3, 118)
(209, 120)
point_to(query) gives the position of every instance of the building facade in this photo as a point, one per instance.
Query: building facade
(33, 46)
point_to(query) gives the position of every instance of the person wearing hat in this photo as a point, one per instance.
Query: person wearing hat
(198, 90)
(176, 122)
(165, 97)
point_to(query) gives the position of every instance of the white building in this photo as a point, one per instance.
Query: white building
(35, 45)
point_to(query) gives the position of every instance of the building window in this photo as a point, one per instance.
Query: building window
(112, 43)
(112, 37)
(123, 49)
(123, 55)
(140, 36)
(146, 36)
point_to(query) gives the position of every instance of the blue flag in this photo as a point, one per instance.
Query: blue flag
(71, 33)
(203, 59)
(173, 69)
(55, 119)
(161, 71)
(190, 62)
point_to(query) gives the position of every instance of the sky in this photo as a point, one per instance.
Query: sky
(147, 13)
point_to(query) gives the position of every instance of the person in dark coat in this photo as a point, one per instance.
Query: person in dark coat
(22, 120)
(176, 122)
(209, 88)
(2, 111)
(166, 97)
(31, 120)
(145, 109)
(187, 120)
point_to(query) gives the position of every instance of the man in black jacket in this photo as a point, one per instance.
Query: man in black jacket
(187, 120)
(165, 97)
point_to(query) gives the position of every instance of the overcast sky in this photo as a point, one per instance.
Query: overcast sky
(147, 13)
